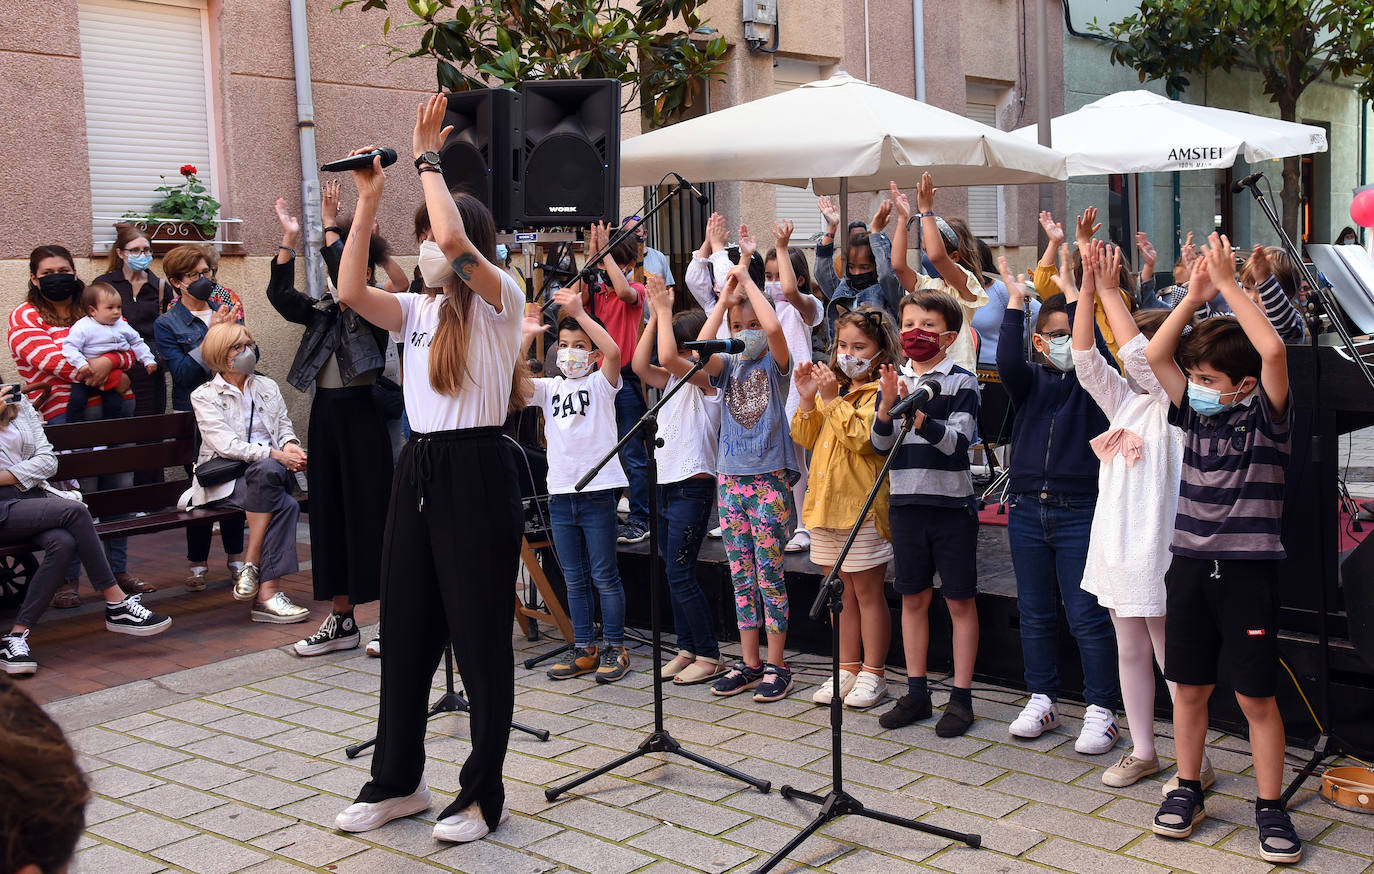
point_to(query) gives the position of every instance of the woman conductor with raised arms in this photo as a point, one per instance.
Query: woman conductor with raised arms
(453, 529)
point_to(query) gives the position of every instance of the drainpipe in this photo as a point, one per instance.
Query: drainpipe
(1042, 100)
(1177, 184)
(310, 180)
(918, 40)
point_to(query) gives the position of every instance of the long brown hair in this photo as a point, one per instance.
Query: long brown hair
(877, 326)
(42, 792)
(36, 298)
(448, 352)
(124, 235)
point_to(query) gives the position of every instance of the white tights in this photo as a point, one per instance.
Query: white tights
(1139, 645)
(799, 490)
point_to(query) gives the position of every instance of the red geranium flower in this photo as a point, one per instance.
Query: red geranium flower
(188, 169)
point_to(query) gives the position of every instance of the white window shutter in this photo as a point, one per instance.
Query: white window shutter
(984, 201)
(147, 109)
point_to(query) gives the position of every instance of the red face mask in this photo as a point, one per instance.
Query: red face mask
(920, 345)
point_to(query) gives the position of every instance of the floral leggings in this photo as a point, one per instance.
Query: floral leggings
(755, 511)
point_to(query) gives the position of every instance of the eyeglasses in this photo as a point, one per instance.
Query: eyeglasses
(144, 251)
(1055, 335)
(203, 274)
(239, 347)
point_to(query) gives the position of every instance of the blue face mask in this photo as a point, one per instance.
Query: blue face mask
(1060, 353)
(1207, 401)
(755, 342)
(502, 252)
(140, 262)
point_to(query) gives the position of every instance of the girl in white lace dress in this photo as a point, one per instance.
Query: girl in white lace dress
(1142, 457)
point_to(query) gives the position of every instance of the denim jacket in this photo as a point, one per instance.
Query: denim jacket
(178, 333)
(329, 330)
(885, 294)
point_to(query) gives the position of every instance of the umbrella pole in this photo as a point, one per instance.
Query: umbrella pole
(844, 228)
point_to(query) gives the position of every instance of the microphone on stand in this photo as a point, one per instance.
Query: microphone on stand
(358, 162)
(706, 348)
(919, 397)
(1248, 182)
(696, 192)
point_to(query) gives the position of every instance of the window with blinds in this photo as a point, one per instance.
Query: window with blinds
(984, 201)
(147, 107)
(797, 204)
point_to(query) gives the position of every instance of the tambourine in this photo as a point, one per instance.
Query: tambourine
(1350, 787)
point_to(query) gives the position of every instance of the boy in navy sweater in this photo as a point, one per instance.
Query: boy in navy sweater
(1053, 493)
(931, 505)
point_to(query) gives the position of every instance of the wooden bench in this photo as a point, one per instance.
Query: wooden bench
(92, 449)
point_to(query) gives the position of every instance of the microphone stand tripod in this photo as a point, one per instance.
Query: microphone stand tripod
(659, 740)
(837, 802)
(1328, 744)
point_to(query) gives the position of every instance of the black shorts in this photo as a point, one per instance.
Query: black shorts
(1222, 622)
(929, 540)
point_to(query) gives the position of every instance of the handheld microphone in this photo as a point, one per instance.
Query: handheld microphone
(733, 346)
(358, 162)
(919, 397)
(696, 192)
(1248, 182)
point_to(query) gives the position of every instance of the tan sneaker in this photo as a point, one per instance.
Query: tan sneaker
(615, 663)
(583, 661)
(1130, 770)
(1208, 778)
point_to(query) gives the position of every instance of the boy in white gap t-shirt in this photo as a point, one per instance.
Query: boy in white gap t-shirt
(579, 426)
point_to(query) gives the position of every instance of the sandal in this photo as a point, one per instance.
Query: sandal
(696, 673)
(1279, 841)
(132, 585)
(1180, 813)
(66, 598)
(676, 666)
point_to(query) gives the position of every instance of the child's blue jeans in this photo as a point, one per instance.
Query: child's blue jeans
(584, 534)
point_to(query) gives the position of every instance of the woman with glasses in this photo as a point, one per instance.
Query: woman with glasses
(179, 333)
(242, 418)
(144, 297)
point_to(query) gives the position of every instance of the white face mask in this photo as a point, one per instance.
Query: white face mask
(852, 365)
(435, 268)
(575, 363)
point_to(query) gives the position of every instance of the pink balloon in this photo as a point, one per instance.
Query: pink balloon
(1362, 208)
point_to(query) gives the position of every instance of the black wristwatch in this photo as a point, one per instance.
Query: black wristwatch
(431, 158)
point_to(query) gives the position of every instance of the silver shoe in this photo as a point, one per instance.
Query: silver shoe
(246, 582)
(278, 610)
(195, 579)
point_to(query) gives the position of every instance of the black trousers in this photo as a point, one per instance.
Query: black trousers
(452, 549)
(350, 478)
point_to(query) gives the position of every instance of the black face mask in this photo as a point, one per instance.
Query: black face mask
(58, 287)
(860, 281)
(201, 289)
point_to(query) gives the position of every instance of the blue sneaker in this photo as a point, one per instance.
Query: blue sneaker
(741, 678)
(777, 682)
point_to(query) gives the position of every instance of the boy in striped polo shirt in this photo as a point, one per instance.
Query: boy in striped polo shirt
(931, 506)
(1222, 607)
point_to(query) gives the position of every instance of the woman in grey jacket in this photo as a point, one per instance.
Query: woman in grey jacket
(32, 511)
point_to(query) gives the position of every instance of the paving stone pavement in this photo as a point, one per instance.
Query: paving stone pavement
(240, 766)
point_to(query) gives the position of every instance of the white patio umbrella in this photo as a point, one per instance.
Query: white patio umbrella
(1144, 132)
(834, 130)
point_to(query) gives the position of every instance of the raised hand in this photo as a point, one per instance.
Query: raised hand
(747, 246)
(1221, 260)
(1145, 247)
(716, 234)
(1201, 289)
(1110, 258)
(1063, 279)
(805, 379)
(569, 300)
(430, 132)
(660, 298)
(826, 384)
(1260, 268)
(900, 201)
(782, 233)
(829, 212)
(290, 225)
(730, 291)
(1053, 229)
(1189, 252)
(1016, 285)
(329, 202)
(1086, 226)
(370, 181)
(880, 216)
(532, 323)
(925, 194)
(888, 382)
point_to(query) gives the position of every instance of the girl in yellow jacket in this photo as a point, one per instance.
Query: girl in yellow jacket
(838, 404)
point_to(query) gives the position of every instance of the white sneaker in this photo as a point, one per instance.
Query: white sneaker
(714, 533)
(374, 647)
(1037, 718)
(868, 690)
(364, 816)
(1099, 731)
(623, 508)
(800, 542)
(822, 693)
(466, 825)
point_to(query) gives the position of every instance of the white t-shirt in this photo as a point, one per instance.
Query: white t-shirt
(204, 315)
(493, 346)
(690, 427)
(579, 425)
(257, 428)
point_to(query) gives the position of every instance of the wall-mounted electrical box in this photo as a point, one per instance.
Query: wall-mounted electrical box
(760, 21)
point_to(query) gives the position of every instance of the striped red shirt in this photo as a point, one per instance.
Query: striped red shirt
(37, 350)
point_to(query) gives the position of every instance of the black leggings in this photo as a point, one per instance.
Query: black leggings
(451, 551)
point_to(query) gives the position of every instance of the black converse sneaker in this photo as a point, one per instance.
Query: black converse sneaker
(131, 617)
(14, 654)
(337, 631)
